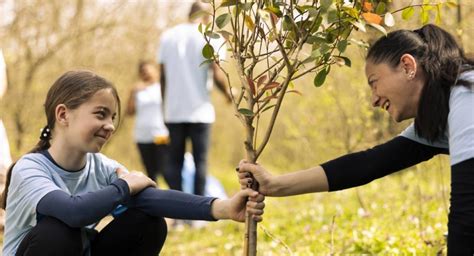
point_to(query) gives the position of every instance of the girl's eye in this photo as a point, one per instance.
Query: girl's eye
(101, 114)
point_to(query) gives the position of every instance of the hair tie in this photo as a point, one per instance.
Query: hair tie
(45, 133)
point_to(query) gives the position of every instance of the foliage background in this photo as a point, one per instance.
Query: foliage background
(403, 213)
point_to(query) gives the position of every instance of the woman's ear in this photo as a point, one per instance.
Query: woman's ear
(408, 64)
(61, 114)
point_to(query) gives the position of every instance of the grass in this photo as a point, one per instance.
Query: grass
(403, 213)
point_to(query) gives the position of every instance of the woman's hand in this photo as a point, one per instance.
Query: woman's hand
(235, 207)
(264, 178)
(136, 181)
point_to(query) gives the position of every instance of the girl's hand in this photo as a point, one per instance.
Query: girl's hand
(264, 178)
(235, 207)
(136, 181)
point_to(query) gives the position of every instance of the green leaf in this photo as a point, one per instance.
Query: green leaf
(380, 8)
(208, 51)
(333, 16)
(351, 11)
(246, 112)
(205, 62)
(308, 60)
(225, 34)
(269, 107)
(287, 24)
(226, 3)
(274, 10)
(438, 14)
(324, 48)
(325, 4)
(316, 39)
(317, 24)
(212, 34)
(291, 85)
(347, 61)
(408, 13)
(342, 45)
(223, 20)
(425, 16)
(200, 28)
(320, 77)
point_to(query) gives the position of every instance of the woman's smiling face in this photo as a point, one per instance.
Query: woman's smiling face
(396, 90)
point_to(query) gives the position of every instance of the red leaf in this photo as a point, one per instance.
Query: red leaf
(251, 86)
(261, 80)
(372, 18)
(367, 6)
(274, 19)
(295, 91)
(271, 86)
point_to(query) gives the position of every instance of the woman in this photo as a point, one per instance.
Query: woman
(421, 74)
(150, 131)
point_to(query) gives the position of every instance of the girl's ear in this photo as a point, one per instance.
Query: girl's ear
(61, 114)
(408, 64)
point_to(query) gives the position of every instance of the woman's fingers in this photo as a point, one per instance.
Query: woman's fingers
(258, 198)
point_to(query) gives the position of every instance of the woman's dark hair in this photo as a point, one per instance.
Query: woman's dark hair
(442, 61)
(72, 89)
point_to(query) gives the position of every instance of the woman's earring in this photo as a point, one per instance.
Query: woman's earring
(411, 75)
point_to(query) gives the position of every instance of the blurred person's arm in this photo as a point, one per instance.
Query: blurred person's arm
(162, 82)
(131, 103)
(219, 80)
(3, 75)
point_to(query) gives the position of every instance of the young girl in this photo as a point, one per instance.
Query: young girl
(150, 131)
(57, 193)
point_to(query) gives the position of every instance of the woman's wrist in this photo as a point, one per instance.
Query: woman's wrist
(276, 186)
(219, 209)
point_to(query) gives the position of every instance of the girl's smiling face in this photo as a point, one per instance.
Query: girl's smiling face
(90, 126)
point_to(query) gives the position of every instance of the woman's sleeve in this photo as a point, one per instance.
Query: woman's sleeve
(363, 167)
(461, 212)
(85, 209)
(172, 204)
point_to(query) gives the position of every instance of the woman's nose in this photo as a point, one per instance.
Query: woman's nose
(375, 100)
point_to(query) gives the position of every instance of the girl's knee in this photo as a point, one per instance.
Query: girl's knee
(52, 237)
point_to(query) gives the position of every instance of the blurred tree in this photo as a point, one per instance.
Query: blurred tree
(43, 39)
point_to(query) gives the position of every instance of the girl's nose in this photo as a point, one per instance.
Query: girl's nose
(110, 127)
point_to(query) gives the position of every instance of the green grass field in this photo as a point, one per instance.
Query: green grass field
(404, 213)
